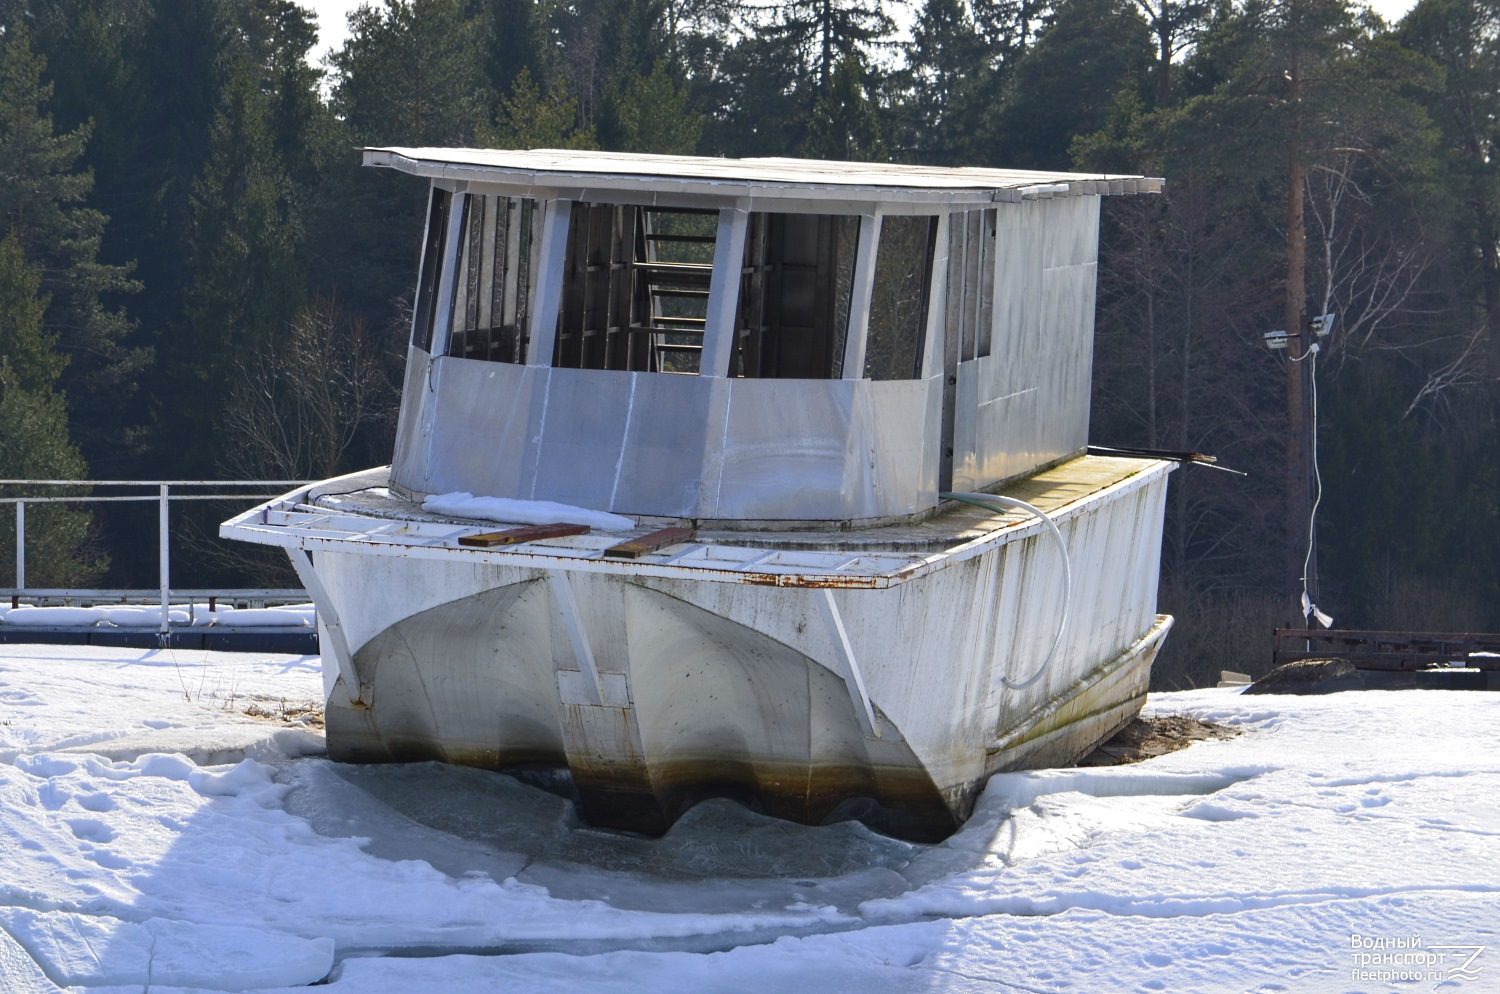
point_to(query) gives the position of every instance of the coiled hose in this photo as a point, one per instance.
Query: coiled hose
(991, 501)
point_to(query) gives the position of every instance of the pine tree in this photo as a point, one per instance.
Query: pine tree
(1090, 53)
(276, 38)
(754, 99)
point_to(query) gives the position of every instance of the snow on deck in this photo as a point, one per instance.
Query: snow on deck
(154, 835)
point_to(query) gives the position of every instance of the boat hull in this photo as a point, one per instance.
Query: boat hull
(812, 702)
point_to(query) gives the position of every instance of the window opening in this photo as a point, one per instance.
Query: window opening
(971, 281)
(679, 268)
(898, 299)
(793, 314)
(635, 288)
(985, 305)
(492, 289)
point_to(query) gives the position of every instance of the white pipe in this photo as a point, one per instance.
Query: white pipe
(20, 545)
(165, 560)
(1062, 545)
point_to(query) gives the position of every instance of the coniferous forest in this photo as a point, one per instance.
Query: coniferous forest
(198, 280)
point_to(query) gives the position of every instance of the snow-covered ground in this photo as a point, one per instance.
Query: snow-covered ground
(154, 836)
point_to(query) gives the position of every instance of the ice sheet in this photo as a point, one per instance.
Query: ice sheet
(148, 818)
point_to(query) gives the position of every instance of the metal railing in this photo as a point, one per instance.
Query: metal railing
(162, 496)
(1388, 650)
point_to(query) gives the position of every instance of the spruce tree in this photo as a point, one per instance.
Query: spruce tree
(844, 124)
(245, 280)
(43, 204)
(413, 73)
(34, 444)
(528, 118)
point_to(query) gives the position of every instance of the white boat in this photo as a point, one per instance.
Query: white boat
(865, 560)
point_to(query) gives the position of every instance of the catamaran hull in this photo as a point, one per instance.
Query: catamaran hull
(814, 703)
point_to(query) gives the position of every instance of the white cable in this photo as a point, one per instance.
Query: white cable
(1308, 607)
(1062, 545)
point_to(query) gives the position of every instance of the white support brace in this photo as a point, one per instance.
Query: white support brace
(863, 710)
(562, 590)
(859, 297)
(549, 279)
(724, 293)
(937, 311)
(442, 321)
(338, 643)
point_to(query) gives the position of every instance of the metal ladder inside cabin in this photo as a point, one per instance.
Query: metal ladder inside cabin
(676, 287)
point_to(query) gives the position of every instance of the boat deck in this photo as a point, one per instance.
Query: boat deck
(359, 513)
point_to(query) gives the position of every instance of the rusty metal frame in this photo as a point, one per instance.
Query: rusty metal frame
(1383, 650)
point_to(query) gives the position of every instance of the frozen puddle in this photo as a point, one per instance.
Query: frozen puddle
(466, 822)
(719, 859)
(154, 838)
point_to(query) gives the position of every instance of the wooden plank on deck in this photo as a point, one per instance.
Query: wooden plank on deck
(645, 545)
(514, 536)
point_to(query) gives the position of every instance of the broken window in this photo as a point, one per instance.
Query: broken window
(793, 314)
(898, 298)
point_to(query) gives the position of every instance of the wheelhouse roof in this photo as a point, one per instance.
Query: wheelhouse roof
(575, 174)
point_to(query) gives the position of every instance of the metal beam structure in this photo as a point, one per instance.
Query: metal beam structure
(337, 643)
(849, 663)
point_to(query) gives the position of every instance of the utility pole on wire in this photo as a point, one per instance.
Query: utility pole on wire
(1300, 342)
(1298, 451)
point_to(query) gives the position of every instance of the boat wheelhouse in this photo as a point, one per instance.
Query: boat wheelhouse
(783, 489)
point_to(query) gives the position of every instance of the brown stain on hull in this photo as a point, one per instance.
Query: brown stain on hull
(648, 798)
(901, 803)
(473, 683)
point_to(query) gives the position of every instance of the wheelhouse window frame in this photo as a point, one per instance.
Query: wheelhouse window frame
(719, 291)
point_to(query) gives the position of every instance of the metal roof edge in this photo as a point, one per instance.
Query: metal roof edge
(551, 169)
